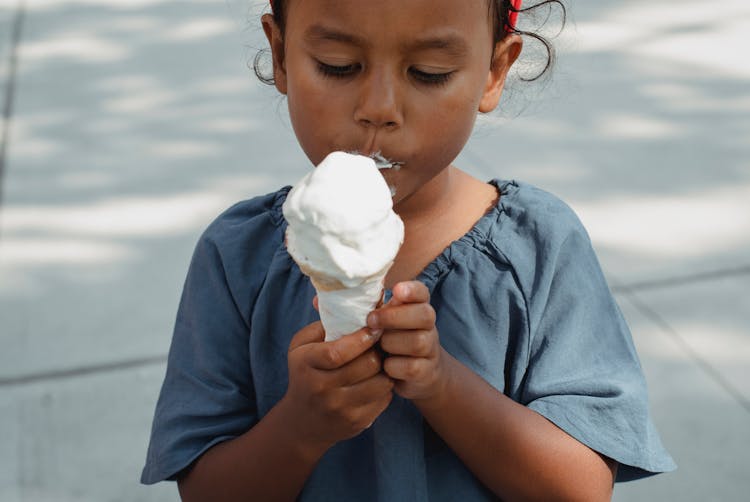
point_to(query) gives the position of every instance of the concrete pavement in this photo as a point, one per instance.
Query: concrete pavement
(136, 122)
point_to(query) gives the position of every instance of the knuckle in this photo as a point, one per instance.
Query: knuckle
(385, 316)
(374, 361)
(332, 356)
(317, 388)
(334, 403)
(386, 342)
(389, 366)
(371, 369)
(387, 384)
(364, 421)
(353, 420)
(365, 418)
(422, 343)
(411, 369)
(427, 314)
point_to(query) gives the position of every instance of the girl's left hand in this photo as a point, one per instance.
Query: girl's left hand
(415, 357)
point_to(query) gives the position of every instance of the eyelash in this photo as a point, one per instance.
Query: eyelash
(337, 71)
(434, 79)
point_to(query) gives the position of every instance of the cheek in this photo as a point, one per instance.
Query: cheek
(303, 98)
(310, 112)
(450, 124)
(455, 107)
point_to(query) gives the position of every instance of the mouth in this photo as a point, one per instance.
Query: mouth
(386, 167)
(381, 161)
(385, 163)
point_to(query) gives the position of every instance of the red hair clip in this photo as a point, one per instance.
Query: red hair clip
(512, 15)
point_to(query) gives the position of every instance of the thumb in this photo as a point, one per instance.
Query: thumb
(312, 333)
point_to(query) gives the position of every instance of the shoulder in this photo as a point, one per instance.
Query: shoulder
(542, 239)
(241, 243)
(247, 219)
(526, 233)
(536, 217)
(532, 226)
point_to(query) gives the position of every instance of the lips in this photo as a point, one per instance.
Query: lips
(385, 163)
(382, 161)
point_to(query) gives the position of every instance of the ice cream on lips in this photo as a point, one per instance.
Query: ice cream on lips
(343, 234)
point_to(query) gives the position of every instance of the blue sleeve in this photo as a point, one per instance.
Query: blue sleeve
(208, 395)
(583, 371)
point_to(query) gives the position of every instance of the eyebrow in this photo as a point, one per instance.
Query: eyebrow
(450, 43)
(319, 33)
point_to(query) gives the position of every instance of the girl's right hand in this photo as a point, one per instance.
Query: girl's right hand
(336, 389)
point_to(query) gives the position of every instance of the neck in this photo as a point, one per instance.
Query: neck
(428, 201)
(432, 222)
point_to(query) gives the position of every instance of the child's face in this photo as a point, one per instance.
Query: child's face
(403, 77)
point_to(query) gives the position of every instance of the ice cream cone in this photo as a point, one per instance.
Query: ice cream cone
(321, 282)
(344, 235)
(344, 310)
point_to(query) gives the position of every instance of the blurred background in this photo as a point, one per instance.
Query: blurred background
(128, 125)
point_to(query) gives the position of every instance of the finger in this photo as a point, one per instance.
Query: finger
(409, 316)
(362, 368)
(373, 397)
(376, 407)
(370, 390)
(393, 302)
(405, 368)
(312, 333)
(414, 343)
(335, 354)
(315, 302)
(411, 292)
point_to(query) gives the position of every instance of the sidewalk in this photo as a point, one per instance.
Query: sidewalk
(134, 123)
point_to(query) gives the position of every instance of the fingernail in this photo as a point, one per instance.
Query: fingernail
(372, 320)
(376, 332)
(405, 289)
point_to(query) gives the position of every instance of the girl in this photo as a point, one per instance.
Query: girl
(510, 373)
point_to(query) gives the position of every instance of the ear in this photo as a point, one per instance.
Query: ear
(276, 41)
(505, 54)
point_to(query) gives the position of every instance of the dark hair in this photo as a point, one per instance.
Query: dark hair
(499, 9)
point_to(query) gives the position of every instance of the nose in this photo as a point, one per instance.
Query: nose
(378, 105)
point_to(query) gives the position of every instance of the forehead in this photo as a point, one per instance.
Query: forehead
(393, 20)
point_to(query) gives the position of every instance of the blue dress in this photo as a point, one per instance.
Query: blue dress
(520, 299)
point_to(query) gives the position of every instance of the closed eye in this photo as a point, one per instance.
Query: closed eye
(344, 71)
(430, 78)
(337, 71)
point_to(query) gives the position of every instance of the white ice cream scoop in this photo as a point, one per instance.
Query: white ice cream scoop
(343, 233)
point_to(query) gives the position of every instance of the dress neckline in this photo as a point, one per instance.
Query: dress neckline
(475, 237)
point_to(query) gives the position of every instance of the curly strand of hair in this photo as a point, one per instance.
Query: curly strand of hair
(258, 60)
(548, 47)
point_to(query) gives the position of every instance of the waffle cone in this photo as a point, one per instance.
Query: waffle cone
(325, 283)
(343, 309)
